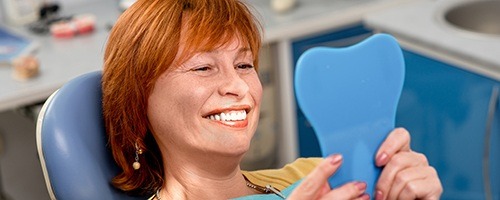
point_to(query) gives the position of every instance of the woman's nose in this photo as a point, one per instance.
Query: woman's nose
(233, 84)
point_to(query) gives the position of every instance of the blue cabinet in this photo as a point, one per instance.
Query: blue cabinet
(446, 110)
(452, 114)
(495, 154)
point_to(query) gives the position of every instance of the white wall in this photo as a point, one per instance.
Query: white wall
(1, 13)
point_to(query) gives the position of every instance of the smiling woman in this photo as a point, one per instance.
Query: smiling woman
(171, 77)
(181, 99)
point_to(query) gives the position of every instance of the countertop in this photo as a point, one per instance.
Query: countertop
(60, 59)
(420, 26)
(315, 16)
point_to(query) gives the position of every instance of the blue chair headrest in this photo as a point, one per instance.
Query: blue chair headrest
(72, 143)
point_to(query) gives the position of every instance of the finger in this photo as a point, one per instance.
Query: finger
(398, 162)
(324, 190)
(429, 188)
(363, 197)
(407, 176)
(315, 181)
(352, 190)
(398, 140)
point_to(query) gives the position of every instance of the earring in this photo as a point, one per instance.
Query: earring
(136, 165)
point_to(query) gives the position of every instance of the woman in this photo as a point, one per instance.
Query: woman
(181, 100)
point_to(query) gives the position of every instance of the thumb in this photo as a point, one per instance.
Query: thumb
(314, 183)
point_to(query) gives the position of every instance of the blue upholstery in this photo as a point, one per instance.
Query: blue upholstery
(71, 142)
(349, 95)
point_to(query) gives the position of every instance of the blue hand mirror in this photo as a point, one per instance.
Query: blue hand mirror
(349, 95)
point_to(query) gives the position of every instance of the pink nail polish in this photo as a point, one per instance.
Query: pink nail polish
(361, 186)
(381, 160)
(335, 159)
(379, 195)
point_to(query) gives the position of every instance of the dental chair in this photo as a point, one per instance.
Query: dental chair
(72, 143)
(349, 96)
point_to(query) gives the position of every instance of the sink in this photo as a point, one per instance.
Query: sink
(482, 17)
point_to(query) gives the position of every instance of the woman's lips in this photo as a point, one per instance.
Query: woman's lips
(233, 124)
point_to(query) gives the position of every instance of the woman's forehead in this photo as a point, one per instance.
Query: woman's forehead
(188, 49)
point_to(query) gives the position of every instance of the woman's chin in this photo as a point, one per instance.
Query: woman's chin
(232, 150)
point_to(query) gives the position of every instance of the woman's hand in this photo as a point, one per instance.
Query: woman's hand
(407, 174)
(315, 185)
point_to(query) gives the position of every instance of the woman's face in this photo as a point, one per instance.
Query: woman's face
(209, 103)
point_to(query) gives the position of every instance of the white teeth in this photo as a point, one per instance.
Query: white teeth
(230, 116)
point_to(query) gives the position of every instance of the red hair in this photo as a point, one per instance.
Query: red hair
(142, 45)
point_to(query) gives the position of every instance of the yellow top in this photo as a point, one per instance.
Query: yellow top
(284, 177)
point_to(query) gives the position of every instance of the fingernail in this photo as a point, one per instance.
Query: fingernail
(335, 159)
(379, 195)
(381, 159)
(361, 186)
(365, 197)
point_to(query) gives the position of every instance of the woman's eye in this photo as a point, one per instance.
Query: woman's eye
(201, 69)
(204, 70)
(245, 66)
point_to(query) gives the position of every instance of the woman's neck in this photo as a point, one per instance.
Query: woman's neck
(210, 177)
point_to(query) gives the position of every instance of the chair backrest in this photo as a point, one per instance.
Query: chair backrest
(349, 95)
(72, 143)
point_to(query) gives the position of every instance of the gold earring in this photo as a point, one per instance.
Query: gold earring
(136, 165)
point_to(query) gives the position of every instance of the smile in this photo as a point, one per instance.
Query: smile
(235, 115)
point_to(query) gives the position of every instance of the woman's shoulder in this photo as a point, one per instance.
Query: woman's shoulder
(284, 177)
